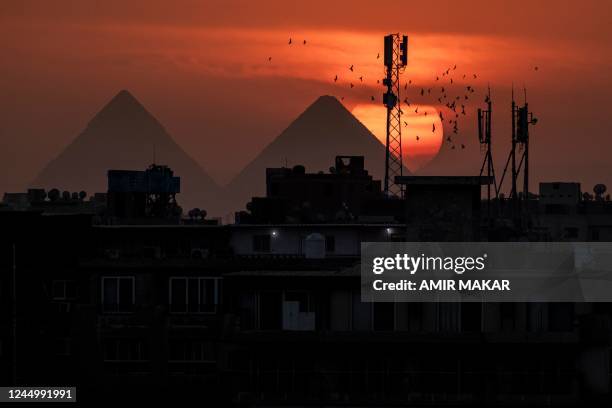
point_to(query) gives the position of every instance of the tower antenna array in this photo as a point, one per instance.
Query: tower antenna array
(484, 137)
(521, 120)
(395, 60)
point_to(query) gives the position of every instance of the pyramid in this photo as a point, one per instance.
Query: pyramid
(323, 131)
(125, 136)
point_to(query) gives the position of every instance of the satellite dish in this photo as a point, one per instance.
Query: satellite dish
(299, 169)
(599, 190)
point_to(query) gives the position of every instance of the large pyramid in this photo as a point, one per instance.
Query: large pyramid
(123, 135)
(323, 131)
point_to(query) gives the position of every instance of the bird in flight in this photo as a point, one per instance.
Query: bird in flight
(475, 76)
(290, 41)
(351, 68)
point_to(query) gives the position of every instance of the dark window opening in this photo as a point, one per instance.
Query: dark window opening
(261, 243)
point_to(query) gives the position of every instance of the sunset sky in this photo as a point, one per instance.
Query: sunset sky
(202, 68)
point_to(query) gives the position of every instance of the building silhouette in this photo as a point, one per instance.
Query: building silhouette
(267, 310)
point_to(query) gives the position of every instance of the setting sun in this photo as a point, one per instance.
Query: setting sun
(425, 124)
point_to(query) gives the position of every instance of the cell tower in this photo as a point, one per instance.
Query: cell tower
(395, 59)
(484, 137)
(521, 120)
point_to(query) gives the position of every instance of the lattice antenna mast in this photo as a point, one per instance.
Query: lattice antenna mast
(521, 120)
(484, 137)
(524, 119)
(395, 60)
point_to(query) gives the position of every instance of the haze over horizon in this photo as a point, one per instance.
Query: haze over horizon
(203, 71)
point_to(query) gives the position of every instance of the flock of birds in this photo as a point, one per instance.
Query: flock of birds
(451, 90)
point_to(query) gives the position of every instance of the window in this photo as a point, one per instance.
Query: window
(507, 316)
(261, 243)
(449, 317)
(270, 311)
(383, 316)
(471, 316)
(124, 349)
(330, 243)
(194, 295)
(191, 350)
(63, 289)
(291, 310)
(561, 317)
(118, 294)
(571, 232)
(297, 312)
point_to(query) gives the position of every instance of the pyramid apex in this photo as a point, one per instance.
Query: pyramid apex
(124, 95)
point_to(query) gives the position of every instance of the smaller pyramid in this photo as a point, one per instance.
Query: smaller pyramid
(323, 131)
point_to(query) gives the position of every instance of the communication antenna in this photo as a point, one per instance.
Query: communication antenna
(395, 60)
(484, 137)
(521, 120)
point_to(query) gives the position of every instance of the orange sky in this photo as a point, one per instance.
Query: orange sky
(202, 68)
